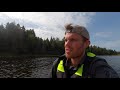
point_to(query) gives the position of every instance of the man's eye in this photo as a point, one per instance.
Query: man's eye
(65, 40)
(73, 39)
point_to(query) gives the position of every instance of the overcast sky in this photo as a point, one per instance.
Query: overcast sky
(102, 26)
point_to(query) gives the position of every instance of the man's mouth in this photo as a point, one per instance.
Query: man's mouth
(67, 50)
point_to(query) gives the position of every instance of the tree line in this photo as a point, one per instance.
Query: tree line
(17, 40)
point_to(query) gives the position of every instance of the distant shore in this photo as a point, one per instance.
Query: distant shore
(34, 56)
(25, 56)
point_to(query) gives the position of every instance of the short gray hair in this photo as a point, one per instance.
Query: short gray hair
(81, 30)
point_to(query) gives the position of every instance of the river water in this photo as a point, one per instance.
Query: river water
(39, 67)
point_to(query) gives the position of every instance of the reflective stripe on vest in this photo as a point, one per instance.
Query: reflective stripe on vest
(90, 54)
(80, 69)
(61, 68)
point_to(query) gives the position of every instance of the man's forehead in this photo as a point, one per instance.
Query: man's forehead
(72, 35)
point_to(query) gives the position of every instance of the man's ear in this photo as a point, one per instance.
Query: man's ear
(87, 43)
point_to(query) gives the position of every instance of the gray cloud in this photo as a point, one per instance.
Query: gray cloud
(103, 34)
(109, 44)
(47, 24)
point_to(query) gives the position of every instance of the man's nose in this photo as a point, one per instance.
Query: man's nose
(67, 43)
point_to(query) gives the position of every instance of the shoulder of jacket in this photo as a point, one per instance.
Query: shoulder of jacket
(97, 59)
(62, 57)
(102, 64)
(97, 62)
(100, 61)
(55, 64)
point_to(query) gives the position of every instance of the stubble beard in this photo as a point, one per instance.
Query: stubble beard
(71, 55)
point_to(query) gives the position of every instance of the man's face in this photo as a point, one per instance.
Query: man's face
(74, 45)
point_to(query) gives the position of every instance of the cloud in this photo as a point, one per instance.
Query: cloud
(115, 45)
(103, 34)
(47, 24)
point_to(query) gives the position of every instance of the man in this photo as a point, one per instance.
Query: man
(77, 63)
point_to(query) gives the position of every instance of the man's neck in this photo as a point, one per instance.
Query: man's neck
(77, 60)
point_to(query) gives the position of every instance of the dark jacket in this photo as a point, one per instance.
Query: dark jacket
(94, 67)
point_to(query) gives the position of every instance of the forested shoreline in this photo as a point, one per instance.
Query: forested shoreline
(16, 40)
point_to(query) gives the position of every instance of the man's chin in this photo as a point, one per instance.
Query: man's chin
(68, 56)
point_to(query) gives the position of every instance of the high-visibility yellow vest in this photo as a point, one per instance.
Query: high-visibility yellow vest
(79, 72)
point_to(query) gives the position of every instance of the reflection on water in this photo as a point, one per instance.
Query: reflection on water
(43, 66)
(25, 68)
(39, 67)
(16, 68)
